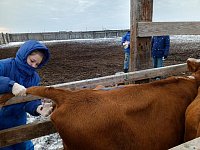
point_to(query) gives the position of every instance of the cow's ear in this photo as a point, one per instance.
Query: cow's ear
(192, 64)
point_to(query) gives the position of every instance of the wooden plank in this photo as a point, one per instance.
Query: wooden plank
(25, 132)
(190, 145)
(110, 80)
(133, 29)
(146, 29)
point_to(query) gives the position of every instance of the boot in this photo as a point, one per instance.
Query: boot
(125, 70)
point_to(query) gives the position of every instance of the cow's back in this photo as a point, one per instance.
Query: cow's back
(158, 111)
(147, 116)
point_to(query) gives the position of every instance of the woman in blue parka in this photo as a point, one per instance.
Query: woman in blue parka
(17, 74)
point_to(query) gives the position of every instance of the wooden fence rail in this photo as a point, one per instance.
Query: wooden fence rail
(148, 29)
(25, 132)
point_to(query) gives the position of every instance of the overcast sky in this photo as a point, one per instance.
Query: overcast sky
(84, 15)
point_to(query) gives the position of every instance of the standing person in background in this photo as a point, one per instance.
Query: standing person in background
(17, 74)
(160, 50)
(126, 45)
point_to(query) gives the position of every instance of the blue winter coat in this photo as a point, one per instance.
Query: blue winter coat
(17, 70)
(125, 38)
(160, 46)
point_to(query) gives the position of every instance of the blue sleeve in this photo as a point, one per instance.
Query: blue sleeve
(123, 40)
(167, 45)
(5, 82)
(31, 106)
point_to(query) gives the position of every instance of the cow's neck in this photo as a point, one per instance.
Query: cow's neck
(196, 76)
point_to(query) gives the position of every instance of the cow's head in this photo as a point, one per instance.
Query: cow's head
(193, 64)
(194, 67)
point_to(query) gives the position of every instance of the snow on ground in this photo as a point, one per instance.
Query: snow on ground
(48, 142)
(115, 41)
(99, 40)
(173, 38)
(185, 38)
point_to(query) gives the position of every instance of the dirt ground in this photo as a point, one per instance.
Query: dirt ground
(73, 61)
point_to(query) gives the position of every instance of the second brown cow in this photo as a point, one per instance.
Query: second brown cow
(192, 119)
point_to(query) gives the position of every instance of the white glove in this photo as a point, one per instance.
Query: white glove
(45, 109)
(18, 90)
(126, 44)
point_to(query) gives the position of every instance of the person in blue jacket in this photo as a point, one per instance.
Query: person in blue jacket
(126, 45)
(17, 74)
(160, 49)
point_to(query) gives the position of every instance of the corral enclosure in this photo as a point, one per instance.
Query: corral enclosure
(84, 59)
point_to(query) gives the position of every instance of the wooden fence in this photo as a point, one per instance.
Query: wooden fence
(142, 28)
(64, 35)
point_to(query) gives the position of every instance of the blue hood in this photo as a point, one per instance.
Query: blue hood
(23, 52)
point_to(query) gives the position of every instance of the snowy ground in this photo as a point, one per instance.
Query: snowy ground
(48, 142)
(185, 38)
(113, 40)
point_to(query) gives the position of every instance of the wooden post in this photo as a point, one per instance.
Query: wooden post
(140, 48)
(1, 38)
(4, 41)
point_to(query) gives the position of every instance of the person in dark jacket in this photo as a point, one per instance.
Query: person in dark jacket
(126, 45)
(159, 49)
(17, 74)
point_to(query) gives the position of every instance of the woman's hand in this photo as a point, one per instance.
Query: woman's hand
(18, 90)
(126, 44)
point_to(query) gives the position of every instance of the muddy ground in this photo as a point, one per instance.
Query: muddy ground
(72, 61)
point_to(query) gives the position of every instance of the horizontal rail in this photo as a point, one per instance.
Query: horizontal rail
(193, 144)
(110, 80)
(146, 29)
(121, 78)
(25, 132)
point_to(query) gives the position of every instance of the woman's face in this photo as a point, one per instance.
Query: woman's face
(34, 59)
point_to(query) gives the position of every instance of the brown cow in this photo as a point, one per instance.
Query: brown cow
(140, 117)
(192, 119)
